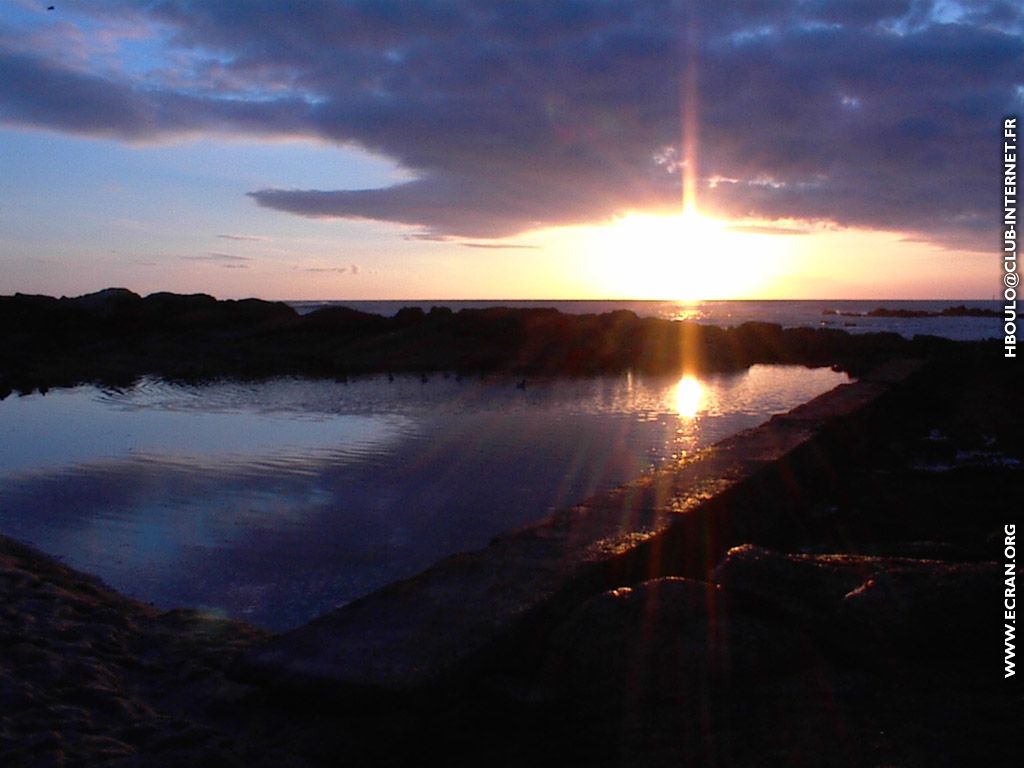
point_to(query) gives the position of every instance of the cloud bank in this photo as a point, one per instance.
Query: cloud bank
(517, 115)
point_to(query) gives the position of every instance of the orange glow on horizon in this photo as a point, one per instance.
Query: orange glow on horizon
(685, 257)
(643, 255)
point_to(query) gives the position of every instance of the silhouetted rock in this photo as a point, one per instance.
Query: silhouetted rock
(803, 589)
(866, 607)
(114, 335)
(341, 320)
(959, 310)
(409, 315)
(169, 311)
(927, 609)
(107, 301)
(667, 640)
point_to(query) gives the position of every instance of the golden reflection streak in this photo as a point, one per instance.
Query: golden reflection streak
(689, 397)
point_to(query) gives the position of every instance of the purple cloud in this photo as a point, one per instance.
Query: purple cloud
(513, 116)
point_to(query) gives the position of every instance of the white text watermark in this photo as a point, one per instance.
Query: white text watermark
(1010, 274)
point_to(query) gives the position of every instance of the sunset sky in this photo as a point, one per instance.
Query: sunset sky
(374, 149)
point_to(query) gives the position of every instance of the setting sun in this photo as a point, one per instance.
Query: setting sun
(686, 257)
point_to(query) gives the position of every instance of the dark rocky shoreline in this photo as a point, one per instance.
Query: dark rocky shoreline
(114, 337)
(959, 310)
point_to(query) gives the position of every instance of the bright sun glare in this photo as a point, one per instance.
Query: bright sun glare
(684, 257)
(689, 397)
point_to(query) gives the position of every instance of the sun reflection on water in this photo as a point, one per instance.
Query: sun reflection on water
(689, 397)
(688, 311)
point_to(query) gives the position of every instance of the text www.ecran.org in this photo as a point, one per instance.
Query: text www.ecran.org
(1009, 595)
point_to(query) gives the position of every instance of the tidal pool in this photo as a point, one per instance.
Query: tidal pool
(276, 501)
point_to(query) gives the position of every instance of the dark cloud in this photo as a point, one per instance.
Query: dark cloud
(245, 238)
(763, 229)
(518, 115)
(426, 237)
(351, 269)
(36, 93)
(217, 257)
(498, 246)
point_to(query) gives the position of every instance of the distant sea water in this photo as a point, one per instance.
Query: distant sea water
(846, 315)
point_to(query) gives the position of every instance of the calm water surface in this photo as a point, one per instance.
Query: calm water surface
(277, 501)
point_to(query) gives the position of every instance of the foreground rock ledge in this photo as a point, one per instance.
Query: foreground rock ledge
(447, 622)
